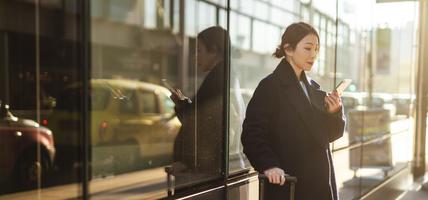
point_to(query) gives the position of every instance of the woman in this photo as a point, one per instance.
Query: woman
(198, 146)
(290, 122)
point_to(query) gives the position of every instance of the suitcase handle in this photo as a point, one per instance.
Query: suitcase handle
(288, 178)
(170, 180)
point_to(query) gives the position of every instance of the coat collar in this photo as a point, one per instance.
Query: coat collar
(284, 71)
(294, 92)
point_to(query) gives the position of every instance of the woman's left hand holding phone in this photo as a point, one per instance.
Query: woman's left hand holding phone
(175, 95)
(333, 102)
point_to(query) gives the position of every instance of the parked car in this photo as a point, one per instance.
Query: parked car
(350, 101)
(133, 124)
(404, 103)
(20, 140)
(380, 100)
(388, 103)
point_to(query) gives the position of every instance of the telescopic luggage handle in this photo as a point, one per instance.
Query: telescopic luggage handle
(170, 180)
(292, 180)
(288, 179)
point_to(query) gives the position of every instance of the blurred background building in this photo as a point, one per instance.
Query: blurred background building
(84, 113)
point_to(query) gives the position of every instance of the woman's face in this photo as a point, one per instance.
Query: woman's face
(205, 59)
(305, 53)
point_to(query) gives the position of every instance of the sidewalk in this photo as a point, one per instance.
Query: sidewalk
(420, 192)
(114, 186)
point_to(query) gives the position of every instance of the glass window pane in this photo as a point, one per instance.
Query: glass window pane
(305, 14)
(142, 131)
(246, 6)
(100, 97)
(207, 15)
(281, 18)
(262, 11)
(270, 34)
(240, 37)
(149, 14)
(148, 103)
(176, 17)
(129, 104)
(346, 164)
(166, 11)
(371, 102)
(190, 17)
(328, 7)
(40, 109)
(285, 4)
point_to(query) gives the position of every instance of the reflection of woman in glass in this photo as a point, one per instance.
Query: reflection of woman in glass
(290, 122)
(199, 145)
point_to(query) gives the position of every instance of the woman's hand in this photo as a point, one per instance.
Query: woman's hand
(275, 175)
(176, 95)
(333, 102)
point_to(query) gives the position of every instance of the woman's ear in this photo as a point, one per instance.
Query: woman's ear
(288, 50)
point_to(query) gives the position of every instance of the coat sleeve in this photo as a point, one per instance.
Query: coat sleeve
(255, 133)
(182, 108)
(183, 111)
(335, 124)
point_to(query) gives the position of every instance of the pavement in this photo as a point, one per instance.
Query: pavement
(420, 191)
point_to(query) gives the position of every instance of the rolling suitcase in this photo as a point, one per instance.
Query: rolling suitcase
(289, 180)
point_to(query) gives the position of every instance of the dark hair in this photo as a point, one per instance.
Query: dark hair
(292, 35)
(215, 38)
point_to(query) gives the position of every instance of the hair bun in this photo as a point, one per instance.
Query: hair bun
(279, 53)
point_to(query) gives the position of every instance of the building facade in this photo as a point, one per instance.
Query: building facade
(89, 114)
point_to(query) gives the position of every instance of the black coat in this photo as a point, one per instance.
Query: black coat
(283, 129)
(199, 143)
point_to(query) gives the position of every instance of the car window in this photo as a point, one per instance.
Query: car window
(69, 99)
(376, 101)
(148, 103)
(168, 104)
(402, 101)
(128, 104)
(99, 98)
(349, 101)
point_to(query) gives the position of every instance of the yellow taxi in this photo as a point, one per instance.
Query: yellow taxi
(132, 125)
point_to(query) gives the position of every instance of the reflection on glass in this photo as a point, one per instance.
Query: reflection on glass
(261, 30)
(141, 132)
(27, 154)
(34, 155)
(347, 180)
(240, 37)
(199, 145)
(378, 103)
(261, 10)
(208, 17)
(134, 125)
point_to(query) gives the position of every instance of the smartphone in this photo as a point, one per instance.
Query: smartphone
(343, 85)
(180, 95)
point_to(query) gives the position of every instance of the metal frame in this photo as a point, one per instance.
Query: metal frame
(419, 152)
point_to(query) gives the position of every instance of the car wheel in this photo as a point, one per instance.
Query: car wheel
(29, 170)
